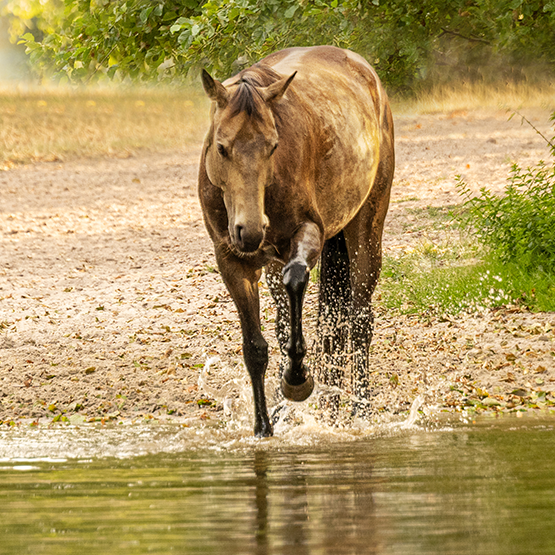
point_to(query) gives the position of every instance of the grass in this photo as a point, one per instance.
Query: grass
(56, 123)
(457, 274)
(478, 96)
(49, 124)
(407, 287)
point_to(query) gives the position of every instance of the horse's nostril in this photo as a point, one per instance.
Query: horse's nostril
(248, 240)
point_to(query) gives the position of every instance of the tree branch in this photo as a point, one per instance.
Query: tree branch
(550, 143)
(471, 38)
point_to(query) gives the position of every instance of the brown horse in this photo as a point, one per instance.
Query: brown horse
(298, 165)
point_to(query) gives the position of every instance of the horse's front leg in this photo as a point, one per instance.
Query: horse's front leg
(296, 382)
(242, 282)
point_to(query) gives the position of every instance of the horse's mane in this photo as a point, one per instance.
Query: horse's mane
(246, 98)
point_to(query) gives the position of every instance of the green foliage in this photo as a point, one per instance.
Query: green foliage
(37, 17)
(410, 284)
(519, 226)
(98, 38)
(403, 39)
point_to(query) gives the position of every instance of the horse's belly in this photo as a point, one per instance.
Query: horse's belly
(345, 179)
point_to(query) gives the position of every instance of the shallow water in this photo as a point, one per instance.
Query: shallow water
(470, 488)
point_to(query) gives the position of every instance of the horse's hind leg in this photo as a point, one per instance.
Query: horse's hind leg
(334, 311)
(274, 279)
(334, 316)
(363, 236)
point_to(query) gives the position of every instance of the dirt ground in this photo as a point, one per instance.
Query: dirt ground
(110, 306)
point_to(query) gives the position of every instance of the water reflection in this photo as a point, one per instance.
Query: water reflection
(300, 502)
(474, 489)
(261, 501)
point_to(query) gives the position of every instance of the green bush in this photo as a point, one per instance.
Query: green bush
(519, 226)
(513, 265)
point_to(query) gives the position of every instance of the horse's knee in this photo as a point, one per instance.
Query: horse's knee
(295, 277)
(255, 354)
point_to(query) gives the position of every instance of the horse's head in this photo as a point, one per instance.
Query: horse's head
(239, 152)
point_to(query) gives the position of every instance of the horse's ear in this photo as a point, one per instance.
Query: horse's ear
(214, 89)
(276, 90)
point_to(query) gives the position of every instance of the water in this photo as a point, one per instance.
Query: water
(486, 487)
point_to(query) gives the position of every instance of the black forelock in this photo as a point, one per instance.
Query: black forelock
(247, 98)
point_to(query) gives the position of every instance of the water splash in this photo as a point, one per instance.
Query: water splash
(305, 424)
(235, 395)
(413, 413)
(300, 423)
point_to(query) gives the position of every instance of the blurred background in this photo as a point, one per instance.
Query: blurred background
(14, 65)
(99, 77)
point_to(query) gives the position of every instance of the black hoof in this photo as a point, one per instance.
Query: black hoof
(299, 392)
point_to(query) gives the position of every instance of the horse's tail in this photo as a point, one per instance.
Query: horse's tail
(334, 297)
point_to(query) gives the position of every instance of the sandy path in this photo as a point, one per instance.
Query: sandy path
(109, 303)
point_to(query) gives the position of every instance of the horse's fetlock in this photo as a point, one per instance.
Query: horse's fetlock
(296, 351)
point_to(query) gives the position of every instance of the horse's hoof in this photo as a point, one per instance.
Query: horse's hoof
(299, 392)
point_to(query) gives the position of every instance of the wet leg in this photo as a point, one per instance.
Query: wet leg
(242, 283)
(333, 321)
(297, 383)
(363, 237)
(274, 279)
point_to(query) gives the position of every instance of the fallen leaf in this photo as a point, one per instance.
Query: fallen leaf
(519, 392)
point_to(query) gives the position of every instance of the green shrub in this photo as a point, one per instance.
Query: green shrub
(519, 226)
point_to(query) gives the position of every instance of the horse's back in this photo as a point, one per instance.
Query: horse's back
(329, 72)
(341, 96)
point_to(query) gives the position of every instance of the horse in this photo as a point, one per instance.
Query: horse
(297, 166)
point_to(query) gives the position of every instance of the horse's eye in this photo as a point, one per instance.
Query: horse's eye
(273, 149)
(222, 150)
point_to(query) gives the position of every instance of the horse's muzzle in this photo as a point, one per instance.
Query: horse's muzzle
(248, 240)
